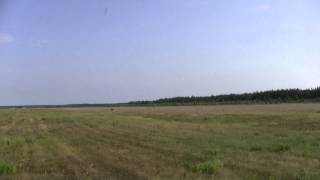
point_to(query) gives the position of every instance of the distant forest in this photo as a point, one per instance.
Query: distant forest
(271, 96)
(261, 97)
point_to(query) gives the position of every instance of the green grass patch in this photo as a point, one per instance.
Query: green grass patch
(7, 168)
(279, 148)
(11, 141)
(256, 148)
(208, 167)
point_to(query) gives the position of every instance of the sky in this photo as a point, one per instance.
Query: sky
(107, 51)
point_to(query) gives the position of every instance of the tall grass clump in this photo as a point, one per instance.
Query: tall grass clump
(7, 168)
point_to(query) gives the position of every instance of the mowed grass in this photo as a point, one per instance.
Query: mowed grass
(201, 142)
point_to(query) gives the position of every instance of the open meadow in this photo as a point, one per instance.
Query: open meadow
(187, 142)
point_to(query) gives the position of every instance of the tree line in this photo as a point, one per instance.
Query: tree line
(271, 96)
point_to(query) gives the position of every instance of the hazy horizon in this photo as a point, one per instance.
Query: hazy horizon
(108, 51)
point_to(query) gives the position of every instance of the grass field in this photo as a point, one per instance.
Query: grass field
(202, 142)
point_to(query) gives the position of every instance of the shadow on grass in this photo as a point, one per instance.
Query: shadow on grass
(277, 148)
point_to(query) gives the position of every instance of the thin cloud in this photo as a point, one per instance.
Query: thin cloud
(5, 38)
(263, 7)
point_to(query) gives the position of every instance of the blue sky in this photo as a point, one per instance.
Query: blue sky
(103, 51)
